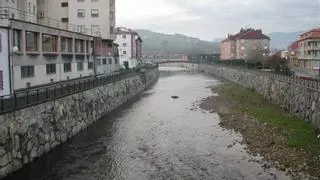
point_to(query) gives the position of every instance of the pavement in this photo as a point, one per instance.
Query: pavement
(304, 73)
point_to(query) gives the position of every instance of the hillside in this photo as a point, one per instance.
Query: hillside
(156, 43)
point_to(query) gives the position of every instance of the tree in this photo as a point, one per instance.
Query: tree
(278, 64)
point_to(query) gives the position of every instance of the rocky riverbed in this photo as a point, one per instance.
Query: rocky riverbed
(261, 138)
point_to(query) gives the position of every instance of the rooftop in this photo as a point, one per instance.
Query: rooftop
(248, 33)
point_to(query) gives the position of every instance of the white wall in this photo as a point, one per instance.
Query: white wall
(4, 62)
(41, 76)
(124, 57)
(104, 15)
(106, 68)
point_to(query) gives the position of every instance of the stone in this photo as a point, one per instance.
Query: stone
(5, 160)
(4, 135)
(29, 146)
(2, 151)
(34, 153)
(313, 107)
(53, 137)
(47, 137)
(16, 143)
(47, 147)
(16, 164)
(5, 170)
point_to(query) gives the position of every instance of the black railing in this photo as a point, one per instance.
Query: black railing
(26, 98)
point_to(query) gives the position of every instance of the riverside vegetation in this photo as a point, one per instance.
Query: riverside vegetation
(289, 143)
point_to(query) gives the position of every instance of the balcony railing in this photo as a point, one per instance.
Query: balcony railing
(8, 14)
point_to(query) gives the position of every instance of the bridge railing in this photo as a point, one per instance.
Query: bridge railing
(31, 97)
(308, 82)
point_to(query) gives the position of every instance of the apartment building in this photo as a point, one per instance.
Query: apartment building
(309, 49)
(92, 17)
(243, 44)
(98, 16)
(293, 54)
(130, 47)
(37, 50)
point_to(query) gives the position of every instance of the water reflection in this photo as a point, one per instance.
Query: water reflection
(156, 137)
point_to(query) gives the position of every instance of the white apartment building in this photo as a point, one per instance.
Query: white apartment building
(130, 45)
(96, 16)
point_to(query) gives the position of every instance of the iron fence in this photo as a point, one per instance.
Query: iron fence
(27, 98)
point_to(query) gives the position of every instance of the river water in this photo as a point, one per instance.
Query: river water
(155, 137)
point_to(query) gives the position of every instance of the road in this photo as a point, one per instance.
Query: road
(155, 137)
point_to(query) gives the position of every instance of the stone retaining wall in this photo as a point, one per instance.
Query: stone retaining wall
(29, 133)
(301, 101)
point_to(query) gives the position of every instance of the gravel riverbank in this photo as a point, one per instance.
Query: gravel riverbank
(261, 137)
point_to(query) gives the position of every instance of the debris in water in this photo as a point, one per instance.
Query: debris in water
(174, 97)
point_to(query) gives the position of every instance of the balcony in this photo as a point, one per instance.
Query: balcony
(309, 57)
(8, 14)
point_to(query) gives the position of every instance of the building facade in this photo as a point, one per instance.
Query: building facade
(293, 54)
(87, 16)
(36, 50)
(245, 45)
(130, 47)
(309, 49)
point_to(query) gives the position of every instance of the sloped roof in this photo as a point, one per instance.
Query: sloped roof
(247, 34)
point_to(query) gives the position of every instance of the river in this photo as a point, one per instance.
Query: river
(155, 137)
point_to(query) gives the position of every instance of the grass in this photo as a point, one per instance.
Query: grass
(299, 133)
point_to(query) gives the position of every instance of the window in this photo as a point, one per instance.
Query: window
(79, 46)
(80, 0)
(111, 3)
(94, 13)
(90, 65)
(124, 44)
(34, 9)
(111, 29)
(31, 41)
(29, 7)
(51, 68)
(80, 66)
(64, 4)
(66, 44)
(95, 28)
(104, 61)
(81, 28)
(124, 36)
(81, 13)
(115, 61)
(64, 19)
(49, 43)
(124, 52)
(98, 62)
(109, 61)
(67, 67)
(17, 39)
(111, 15)
(27, 71)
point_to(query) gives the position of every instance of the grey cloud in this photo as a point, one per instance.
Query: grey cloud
(216, 18)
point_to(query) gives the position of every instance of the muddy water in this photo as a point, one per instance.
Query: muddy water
(156, 137)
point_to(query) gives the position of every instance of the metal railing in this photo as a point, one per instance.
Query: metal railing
(309, 83)
(27, 98)
(7, 14)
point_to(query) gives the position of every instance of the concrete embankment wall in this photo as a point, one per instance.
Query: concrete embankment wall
(301, 101)
(29, 133)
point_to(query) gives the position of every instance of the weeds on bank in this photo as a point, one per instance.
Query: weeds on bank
(300, 134)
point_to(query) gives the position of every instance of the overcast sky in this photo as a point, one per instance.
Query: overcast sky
(209, 19)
